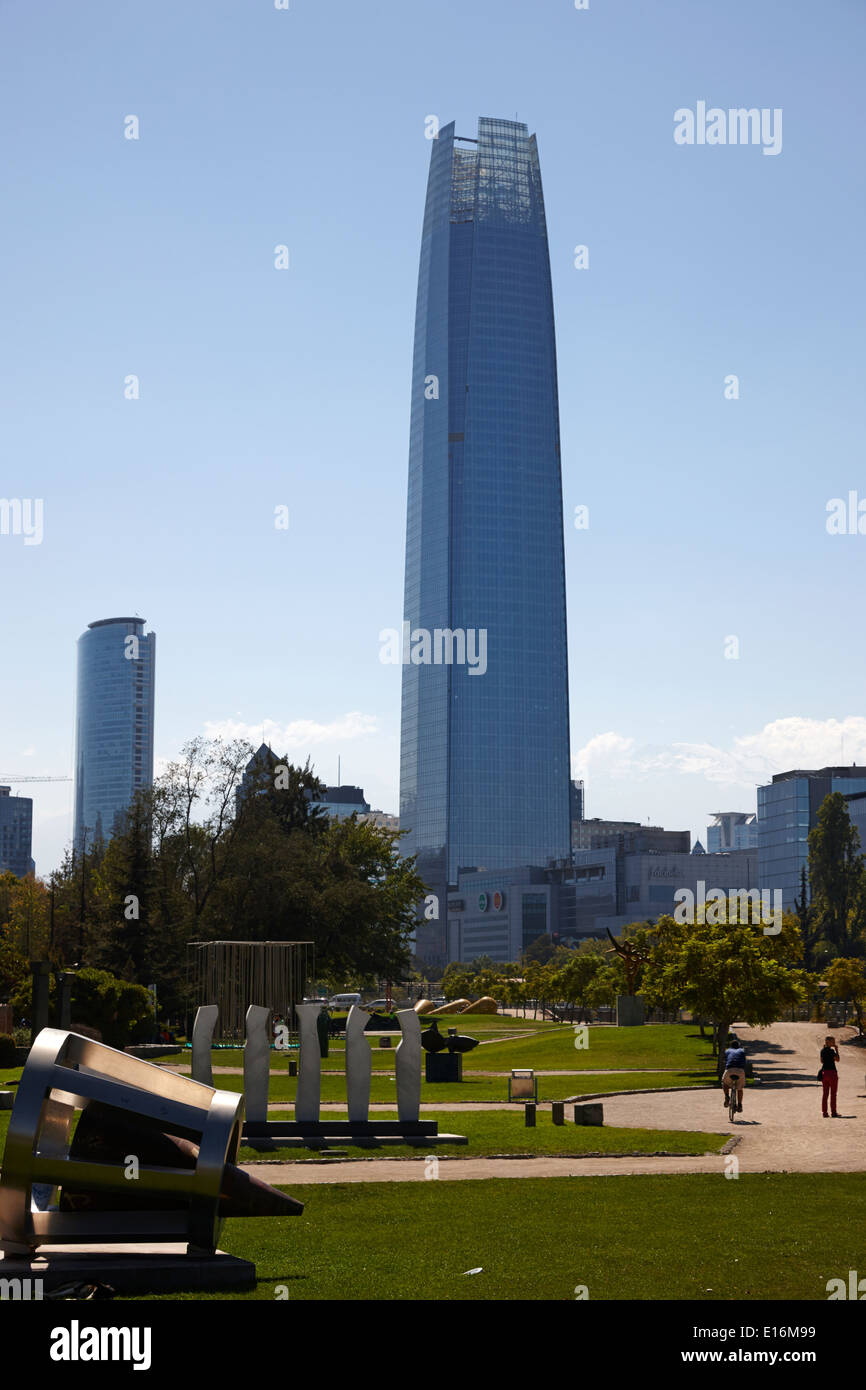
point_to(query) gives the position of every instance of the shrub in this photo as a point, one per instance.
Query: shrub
(115, 1007)
(7, 1050)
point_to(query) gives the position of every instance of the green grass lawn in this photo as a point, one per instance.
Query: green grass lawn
(548, 1046)
(495, 1088)
(504, 1132)
(777, 1236)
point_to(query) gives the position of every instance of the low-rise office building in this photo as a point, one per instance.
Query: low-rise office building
(16, 833)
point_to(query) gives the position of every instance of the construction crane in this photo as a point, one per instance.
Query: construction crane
(7, 777)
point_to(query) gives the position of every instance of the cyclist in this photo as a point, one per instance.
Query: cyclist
(735, 1070)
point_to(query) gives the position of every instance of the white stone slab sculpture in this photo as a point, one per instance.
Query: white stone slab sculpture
(359, 1065)
(202, 1041)
(257, 1062)
(308, 1094)
(407, 1060)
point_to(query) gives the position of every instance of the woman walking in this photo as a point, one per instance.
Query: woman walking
(829, 1076)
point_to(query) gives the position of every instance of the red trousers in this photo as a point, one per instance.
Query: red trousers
(830, 1083)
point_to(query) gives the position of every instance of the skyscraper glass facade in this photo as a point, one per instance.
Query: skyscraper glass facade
(787, 810)
(484, 777)
(16, 832)
(113, 723)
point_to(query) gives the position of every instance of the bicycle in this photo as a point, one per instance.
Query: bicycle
(733, 1096)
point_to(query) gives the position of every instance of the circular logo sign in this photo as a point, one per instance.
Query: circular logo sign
(499, 901)
(482, 901)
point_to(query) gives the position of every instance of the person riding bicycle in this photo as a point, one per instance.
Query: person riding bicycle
(735, 1071)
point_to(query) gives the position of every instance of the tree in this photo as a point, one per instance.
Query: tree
(458, 981)
(838, 879)
(809, 931)
(14, 969)
(724, 972)
(846, 980)
(573, 980)
(540, 950)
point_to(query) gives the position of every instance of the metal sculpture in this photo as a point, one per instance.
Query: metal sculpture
(183, 1137)
(633, 957)
(433, 1041)
(234, 974)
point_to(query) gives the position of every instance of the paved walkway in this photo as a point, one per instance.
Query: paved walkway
(781, 1128)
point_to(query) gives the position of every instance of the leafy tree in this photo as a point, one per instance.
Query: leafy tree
(14, 968)
(846, 980)
(722, 971)
(205, 854)
(810, 933)
(116, 1007)
(573, 980)
(541, 950)
(458, 981)
(838, 880)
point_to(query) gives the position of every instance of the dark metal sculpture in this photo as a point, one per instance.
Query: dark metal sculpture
(433, 1041)
(633, 958)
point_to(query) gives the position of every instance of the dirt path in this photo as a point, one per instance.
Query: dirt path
(781, 1128)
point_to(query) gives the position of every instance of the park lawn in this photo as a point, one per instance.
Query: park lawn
(654, 1045)
(681, 1236)
(479, 1088)
(550, 1046)
(504, 1132)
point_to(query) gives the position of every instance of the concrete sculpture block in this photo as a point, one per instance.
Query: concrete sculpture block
(202, 1039)
(257, 1062)
(407, 1060)
(308, 1094)
(359, 1065)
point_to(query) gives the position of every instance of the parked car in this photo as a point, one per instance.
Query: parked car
(376, 1004)
(344, 1001)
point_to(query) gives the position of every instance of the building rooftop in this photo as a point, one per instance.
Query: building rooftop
(852, 770)
(107, 622)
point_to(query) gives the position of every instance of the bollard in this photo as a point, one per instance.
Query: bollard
(558, 1112)
(293, 1066)
(529, 1115)
(589, 1114)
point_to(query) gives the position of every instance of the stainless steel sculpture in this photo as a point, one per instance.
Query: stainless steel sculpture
(308, 1094)
(56, 1189)
(359, 1065)
(407, 1061)
(202, 1039)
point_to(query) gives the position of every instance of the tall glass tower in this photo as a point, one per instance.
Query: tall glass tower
(113, 724)
(484, 771)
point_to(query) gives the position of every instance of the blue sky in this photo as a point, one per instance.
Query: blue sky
(261, 388)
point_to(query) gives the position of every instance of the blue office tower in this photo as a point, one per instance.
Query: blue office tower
(484, 775)
(113, 724)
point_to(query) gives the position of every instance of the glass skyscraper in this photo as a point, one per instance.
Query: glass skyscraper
(484, 774)
(113, 724)
(787, 810)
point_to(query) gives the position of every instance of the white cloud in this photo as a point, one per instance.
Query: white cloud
(299, 734)
(778, 747)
